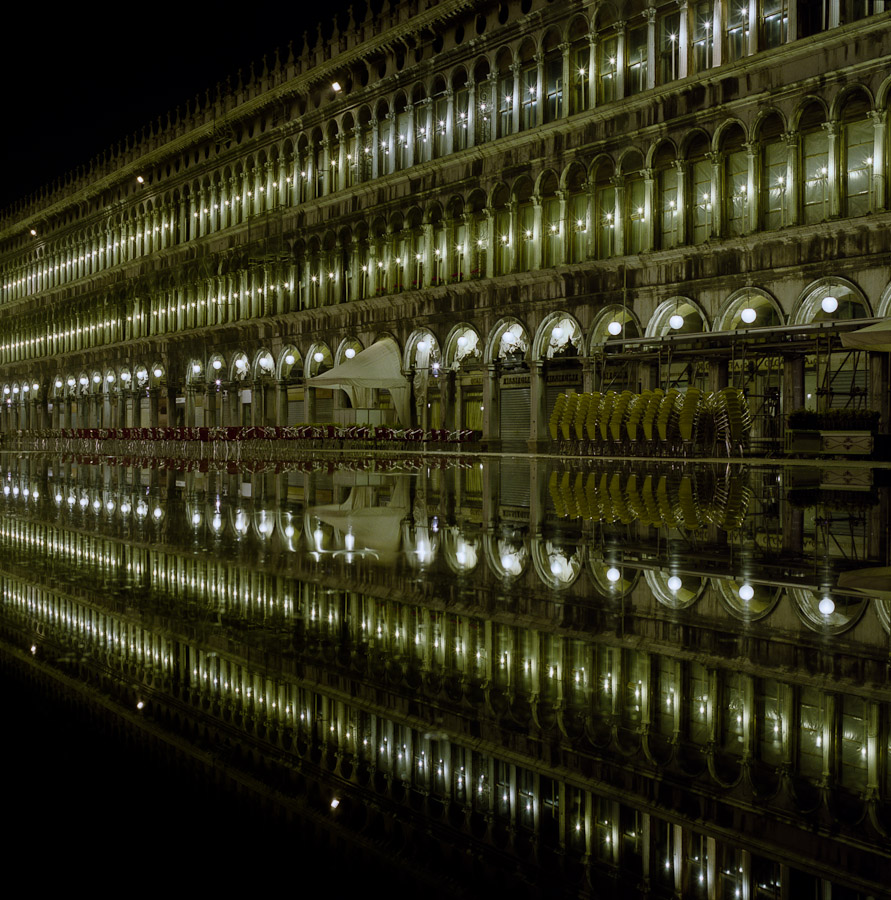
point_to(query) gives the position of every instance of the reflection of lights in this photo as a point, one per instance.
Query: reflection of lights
(827, 606)
(196, 518)
(613, 574)
(746, 592)
(674, 583)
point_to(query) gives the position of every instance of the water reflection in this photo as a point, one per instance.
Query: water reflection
(631, 679)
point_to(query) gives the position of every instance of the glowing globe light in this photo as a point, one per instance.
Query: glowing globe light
(125, 376)
(748, 315)
(289, 531)
(110, 378)
(217, 364)
(35, 386)
(196, 518)
(349, 353)
(676, 321)
(829, 304)
(423, 346)
(614, 328)
(827, 606)
(462, 342)
(746, 592)
(318, 356)
(157, 372)
(97, 378)
(674, 584)
(196, 368)
(289, 359)
(613, 574)
(557, 332)
(58, 383)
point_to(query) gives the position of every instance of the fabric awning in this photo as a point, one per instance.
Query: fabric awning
(873, 337)
(380, 366)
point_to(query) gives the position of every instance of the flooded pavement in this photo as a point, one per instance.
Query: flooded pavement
(488, 675)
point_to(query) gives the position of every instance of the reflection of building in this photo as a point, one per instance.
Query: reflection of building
(596, 699)
(513, 191)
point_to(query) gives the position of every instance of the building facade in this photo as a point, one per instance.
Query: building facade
(527, 197)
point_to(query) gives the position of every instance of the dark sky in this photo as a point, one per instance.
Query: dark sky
(72, 87)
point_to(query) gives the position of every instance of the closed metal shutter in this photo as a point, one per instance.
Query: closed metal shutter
(514, 483)
(515, 412)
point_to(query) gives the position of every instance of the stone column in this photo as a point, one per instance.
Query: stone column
(620, 59)
(649, 230)
(515, 69)
(565, 94)
(491, 406)
(538, 414)
(833, 174)
(791, 215)
(684, 41)
(718, 214)
(752, 179)
(618, 182)
(650, 13)
(879, 119)
(471, 113)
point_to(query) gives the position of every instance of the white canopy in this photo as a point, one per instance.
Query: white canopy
(872, 337)
(380, 366)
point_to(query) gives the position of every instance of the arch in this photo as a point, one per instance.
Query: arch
(613, 323)
(318, 360)
(749, 607)
(556, 563)
(462, 346)
(675, 590)
(421, 351)
(814, 304)
(240, 368)
(692, 318)
(289, 361)
(508, 339)
(264, 364)
(559, 334)
(749, 308)
(347, 349)
(827, 613)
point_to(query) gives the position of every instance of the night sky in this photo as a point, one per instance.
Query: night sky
(81, 87)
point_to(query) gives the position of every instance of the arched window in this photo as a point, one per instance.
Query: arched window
(636, 61)
(577, 216)
(553, 77)
(699, 194)
(814, 164)
(462, 108)
(505, 98)
(579, 66)
(605, 210)
(607, 66)
(736, 180)
(529, 99)
(857, 146)
(502, 237)
(702, 18)
(527, 239)
(774, 23)
(668, 219)
(774, 180)
(484, 111)
(635, 227)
